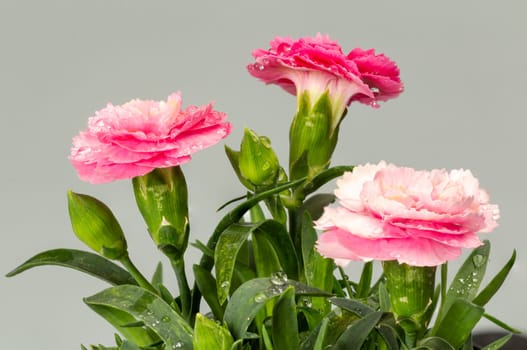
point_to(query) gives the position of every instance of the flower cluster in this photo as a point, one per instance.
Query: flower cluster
(264, 274)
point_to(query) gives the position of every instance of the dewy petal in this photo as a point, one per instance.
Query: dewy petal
(425, 217)
(379, 72)
(316, 64)
(133, 139)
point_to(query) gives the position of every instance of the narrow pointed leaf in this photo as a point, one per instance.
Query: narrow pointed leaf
(237, 213)
(273, 240)
(356, 334)
(80, 260)
(458, 322)
(324, 177)
(285, 326)
(207, 285)
(467, 280)
(225, 255)
(251, 296)
(501, 324)
(120, 320)
(488, 292)
(389, 336)
(365, 280)
(352, 306)
(210, 335)
(498, 344)
(338, 321)
(126, 345)
(149, 308)
(157, 277)
(434, 343)
(319, 343)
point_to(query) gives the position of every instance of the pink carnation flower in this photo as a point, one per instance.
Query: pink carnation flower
(126, 141)
(318, 64)
(421, 218)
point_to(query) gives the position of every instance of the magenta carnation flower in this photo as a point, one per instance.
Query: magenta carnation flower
(318, 64)
(126, 141)
(421, 218)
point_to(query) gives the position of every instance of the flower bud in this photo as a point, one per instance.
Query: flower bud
(257, 160)
(95, 225)
(161, 196)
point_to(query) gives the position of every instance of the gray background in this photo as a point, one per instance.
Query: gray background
(463, 64)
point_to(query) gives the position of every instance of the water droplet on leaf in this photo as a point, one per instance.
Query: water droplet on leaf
(478, 260)
(278, 278)
(260, 297)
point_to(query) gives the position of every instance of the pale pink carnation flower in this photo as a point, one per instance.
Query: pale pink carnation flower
(421, 218)
(316, 64)
(130, 140)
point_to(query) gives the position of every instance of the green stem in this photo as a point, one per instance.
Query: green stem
(184, 291)
(136, 274)
(346, 282)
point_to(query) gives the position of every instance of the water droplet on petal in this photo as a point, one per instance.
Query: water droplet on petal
(178, 345)
(165, 319)
(225, 284)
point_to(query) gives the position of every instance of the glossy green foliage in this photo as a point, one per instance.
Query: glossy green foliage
(83, 261)
(157, 316)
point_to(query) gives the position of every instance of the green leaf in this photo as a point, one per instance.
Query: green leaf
(149, 308)
(468, 278)
(434, 343)
(458, 322)
(285, 325)
(121, 321)
(497, 344)
(267, 339)
(389, 335)
(384, 298)
(319, 343)
(365, 280)
(157, 277)
(207, 285)
(203, 248)
(265, 257)
(338, 321)
(126, 345)
(229, 244)
(210, 335)
(488, 292)
(352, 306)
(251, 296)
(83, 261)
(237, 213)
(272, 240)
(356, 334)
(324, 177)
(501, 324)
(318, 271)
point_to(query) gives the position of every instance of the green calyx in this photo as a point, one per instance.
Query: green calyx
(411, 290)
(162, 199)
(313, 136)
(95, 225)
